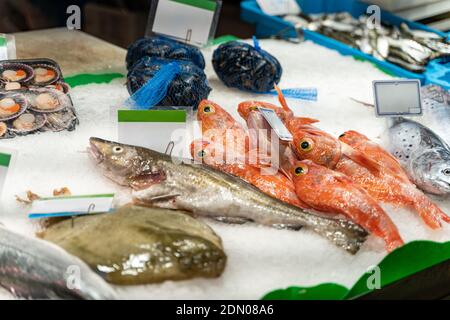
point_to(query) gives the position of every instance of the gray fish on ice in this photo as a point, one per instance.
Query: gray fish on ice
(422, 153)
(36, 269)
(161, 181)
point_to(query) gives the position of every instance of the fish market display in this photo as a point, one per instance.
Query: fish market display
(138, 245)
(330, 191)
(162, 47)
(36, 269)
(240, 65)
(387, 185)
(422, 154)
(160, 180)
(165, 72)
(33, 98)
(410, 49)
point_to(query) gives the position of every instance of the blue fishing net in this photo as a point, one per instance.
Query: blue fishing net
(240, 65)
(164, 82)
(163, 47)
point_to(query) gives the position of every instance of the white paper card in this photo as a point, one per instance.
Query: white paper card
(5, 162)
(155, 130)
(276, 124)
(71, 206)
(184, 20)
(397, 98)
(279, 7)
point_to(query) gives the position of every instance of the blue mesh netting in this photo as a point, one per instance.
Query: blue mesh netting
(163, 47)
(245, 67)
(187, 87)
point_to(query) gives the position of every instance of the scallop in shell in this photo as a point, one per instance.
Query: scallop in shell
(46, 100)
(28, 122)
(12, 105)
(45, 74)
(60, 86)
(62, 120)
(16, 72)
(3, 129)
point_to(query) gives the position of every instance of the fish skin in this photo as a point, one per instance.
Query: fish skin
(422, 154)
(202, 190)
(276, 185)
(137, 245)
(333, 192)
(36, 269)
(388, 186)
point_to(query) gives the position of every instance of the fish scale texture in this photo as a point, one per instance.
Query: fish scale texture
(260, 259)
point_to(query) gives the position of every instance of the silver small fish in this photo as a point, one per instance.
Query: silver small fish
(422, 153)
(36, 269)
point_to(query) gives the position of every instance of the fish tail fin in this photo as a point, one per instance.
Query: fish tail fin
(281, 98)
(343, 233)
(430, 213)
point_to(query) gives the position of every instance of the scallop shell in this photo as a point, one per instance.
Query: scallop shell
(64, 100)
(3, 129)
(20, 99)
(46, 66)
(16, 66)
(65, 87)
(62, 120)
(41, 120)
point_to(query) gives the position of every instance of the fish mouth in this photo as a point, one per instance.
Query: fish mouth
(94, 151)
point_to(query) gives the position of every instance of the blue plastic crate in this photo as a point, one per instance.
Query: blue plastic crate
(438, 71)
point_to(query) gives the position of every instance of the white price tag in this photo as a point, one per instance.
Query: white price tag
(155, 130)
(276, 124)
(191, 21)
(279, 7)
(71, 206)
(7, 47)
(5, 162)
(397, 97)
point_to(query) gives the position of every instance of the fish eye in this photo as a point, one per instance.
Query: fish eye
(446, 171)
(306, 145)
(253, 108)
(117, 149)
(201, 153)
(208, 109)
(300, 170)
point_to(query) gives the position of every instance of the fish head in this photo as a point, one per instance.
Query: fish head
(310, 143)
(127, 165)
(212, 116)
(304, 172)
(353, 138)
(433, 170)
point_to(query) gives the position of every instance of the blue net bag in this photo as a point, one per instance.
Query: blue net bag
(240, 65)
(164, 82)
(163, 47)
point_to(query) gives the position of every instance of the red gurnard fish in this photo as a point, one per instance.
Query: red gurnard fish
(391, 184)
(329, 191)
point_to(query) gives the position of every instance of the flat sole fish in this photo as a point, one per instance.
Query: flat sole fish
(162, 181)
(36, 269)
(137, 245)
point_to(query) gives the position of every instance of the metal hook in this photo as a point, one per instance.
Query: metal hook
(89, 210)
(188, 35)
(169, 148)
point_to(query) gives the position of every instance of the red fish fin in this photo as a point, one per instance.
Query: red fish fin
(281, 98)
(361, 159)
(300, 121)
